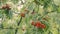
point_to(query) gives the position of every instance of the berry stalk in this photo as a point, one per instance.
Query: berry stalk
(18, 25)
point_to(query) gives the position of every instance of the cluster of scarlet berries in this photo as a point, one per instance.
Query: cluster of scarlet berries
(7, 6)
(38, 24)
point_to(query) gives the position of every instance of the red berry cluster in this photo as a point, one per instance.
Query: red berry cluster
(7, 6)
(38, 24)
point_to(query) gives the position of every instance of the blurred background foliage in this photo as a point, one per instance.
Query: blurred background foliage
(47, 9)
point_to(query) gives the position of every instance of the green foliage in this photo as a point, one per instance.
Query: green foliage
(45, 11)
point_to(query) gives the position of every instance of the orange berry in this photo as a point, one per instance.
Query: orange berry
(22, 15)
(43, 26)
(38, 24)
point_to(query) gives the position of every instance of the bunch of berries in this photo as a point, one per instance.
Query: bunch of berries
(38, 24)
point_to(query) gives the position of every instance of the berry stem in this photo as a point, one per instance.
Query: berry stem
(18, 25)
(19, 21)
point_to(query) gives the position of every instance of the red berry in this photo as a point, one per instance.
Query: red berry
(38, 24)
(22, 15)
(43, 26)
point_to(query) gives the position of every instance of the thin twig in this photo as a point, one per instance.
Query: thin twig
(18, 25)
